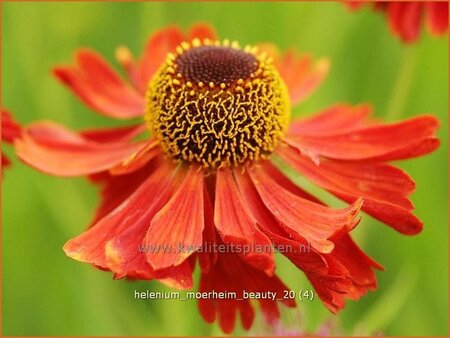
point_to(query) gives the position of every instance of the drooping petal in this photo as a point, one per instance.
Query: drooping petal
(115, 242)
(232, 274)
(329, 277)
(302, 218)
(236, 225)
(310, 260)
(126, 253)
(117, 188)
(99, 87)
(337, 118)
(53, 149)
(410, 138)
(119, 134)
(286, 183)
(179, 224)
(301, 75)
(357, 263)
(207, 258)
(384, 188)
(437, 17)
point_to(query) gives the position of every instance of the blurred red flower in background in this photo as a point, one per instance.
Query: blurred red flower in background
(407, 18)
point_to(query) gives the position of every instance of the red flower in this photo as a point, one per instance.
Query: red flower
(10, 131)
(406, 18)
(218, 115)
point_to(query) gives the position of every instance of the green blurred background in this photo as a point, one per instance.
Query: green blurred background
(46, 293)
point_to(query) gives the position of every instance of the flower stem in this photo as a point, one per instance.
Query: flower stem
(402, 85)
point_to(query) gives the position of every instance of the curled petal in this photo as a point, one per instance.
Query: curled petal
(235, 224)
(301, 75)
(99, 87)
(346, 272)
(356, 262)
(302, 218)
(179, 224)
(360, 277)
(384, 188)
(55, 150)
(330, 278)
(396, 141)
(337, 118)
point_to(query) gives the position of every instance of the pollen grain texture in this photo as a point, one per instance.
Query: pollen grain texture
(217, 105)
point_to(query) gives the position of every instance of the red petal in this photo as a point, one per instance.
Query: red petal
(359, 279)
(307, 259)
(116, 189)
(286, 183)
(236, 225)
(302, 218)
(158, 46)
(344, 273)
(120, 134)
(208, 258)
(202, 31)
(329, 277)
(137, 160)
(115, 241)
(396, 141)
(405, 18)
(301, 76)
(356, 262)
(437, 19)
(53, 149)
(99, 87)
(5, 162)
(334, 119)
(384, 188)
(231, 274)
(179, 224)
(10, 128)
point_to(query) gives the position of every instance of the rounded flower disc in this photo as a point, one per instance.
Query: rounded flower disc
(217, 105)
